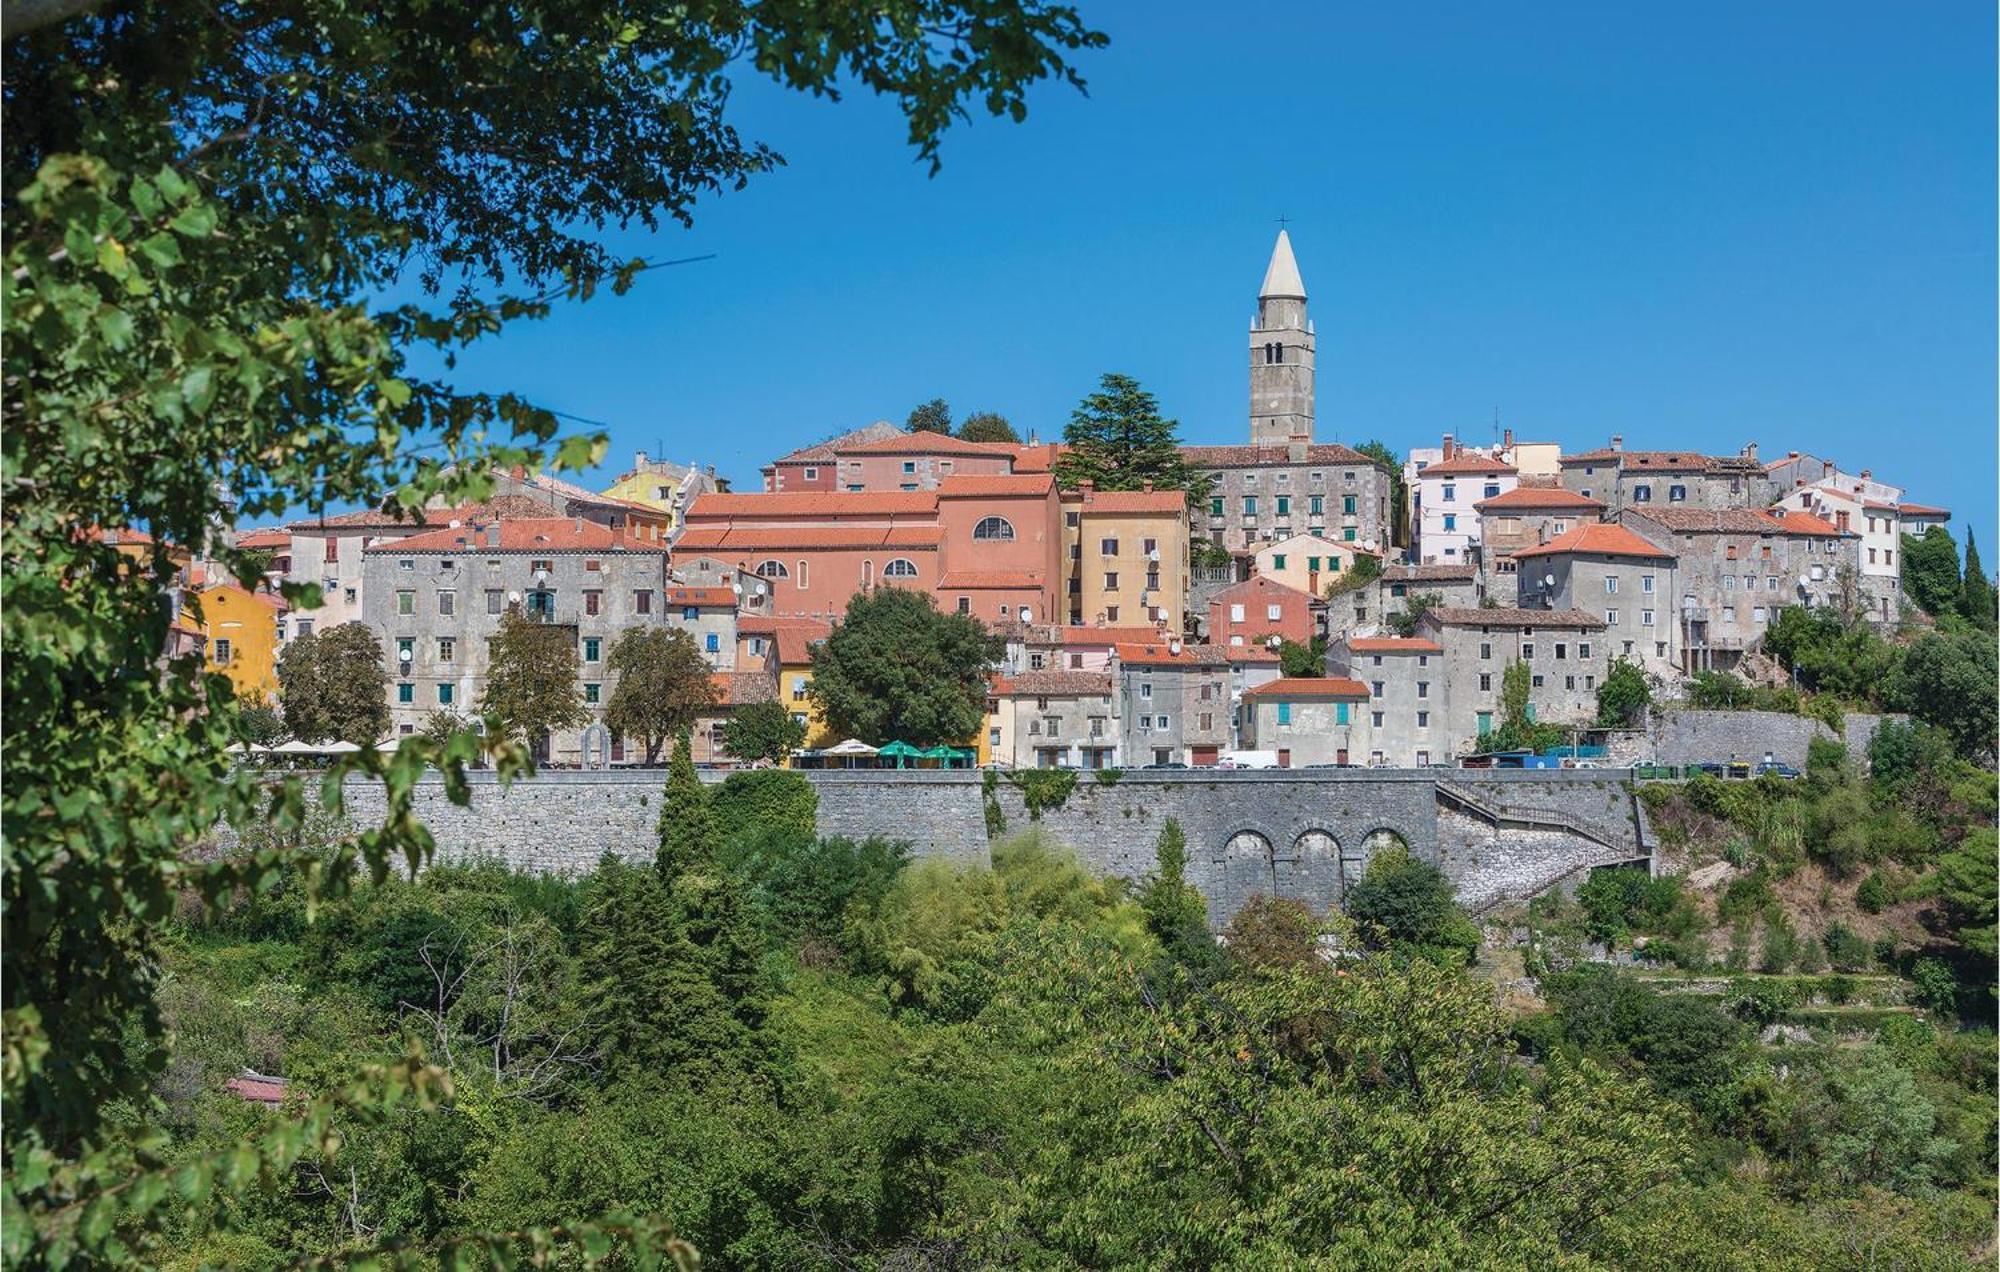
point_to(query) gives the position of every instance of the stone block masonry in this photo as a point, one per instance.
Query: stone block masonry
(1307, 835)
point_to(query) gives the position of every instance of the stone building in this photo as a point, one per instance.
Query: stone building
(1249, 667)
(1564, 651)
(1308, 721)
(1675, 479)
(1053, 719)
(914, 461)
(1628, 579)
(1367, 609)
(664, 485)
(1447, 492)
(1406, 724)
(1875, 510)
(1173, 703)
(708, 615)
(734, 690)
(817, 467)
(1738, 567)
(1078, 648)
(1281, 354)
(436, 600)
(1526, 517)
(1261, 611)
(1125, 557)
(1261, 494)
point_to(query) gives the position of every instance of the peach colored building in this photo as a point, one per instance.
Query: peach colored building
(1125, 554)
(915, 461)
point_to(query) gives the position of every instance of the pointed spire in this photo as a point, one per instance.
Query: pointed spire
(1281, 279)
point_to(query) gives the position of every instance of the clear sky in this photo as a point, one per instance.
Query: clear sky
(1694, 224)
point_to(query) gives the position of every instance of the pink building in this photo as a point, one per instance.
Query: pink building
(1257, 610)
(915, 461)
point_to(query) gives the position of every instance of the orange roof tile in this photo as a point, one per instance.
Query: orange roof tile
(1598, 539)
(1804, 523)
(970, 485)
(1107, 635)
(522, 534)
(1051, 684)
(919, 443)
(1393, 645)
(266, 537)
(1269, 456)
(1249, 654)
(1159, 655)
(976, 580)
(1296, 688)
(1035, 459)
(1171, 503)
(1259, 584)
(795, 642)
(711, 597)
(1922, 510)
(722, 538)
(1466, 463)
(787, 505)
(1525, 497)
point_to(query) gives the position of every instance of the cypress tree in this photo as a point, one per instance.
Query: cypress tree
(1976, 597)
(688, 833)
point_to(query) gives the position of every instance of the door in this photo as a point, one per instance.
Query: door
(1340, 757)
(1205, 754)
(1284, 757)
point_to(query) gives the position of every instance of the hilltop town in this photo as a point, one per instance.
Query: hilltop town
(1291, 597)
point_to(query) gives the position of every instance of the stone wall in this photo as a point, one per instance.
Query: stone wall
(1302, 834)
(1698, 737)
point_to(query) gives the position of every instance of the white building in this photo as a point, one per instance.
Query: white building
(1446, 522)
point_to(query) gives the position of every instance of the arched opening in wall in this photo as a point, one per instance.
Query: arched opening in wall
(1354, 864)
(1310, 871)
(1246, 869)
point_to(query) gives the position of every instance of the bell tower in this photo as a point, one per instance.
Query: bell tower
(1281, 355)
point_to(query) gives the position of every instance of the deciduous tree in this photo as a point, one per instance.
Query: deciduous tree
(1930, 571)
(933, 416)
(761, 731)
(531, 678)
(1398, 528)
(333, 686)
(987, 426)
(1624, 696)
(896, 669)
(663, 686)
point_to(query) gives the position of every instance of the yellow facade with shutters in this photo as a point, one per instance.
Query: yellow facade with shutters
(240, 634)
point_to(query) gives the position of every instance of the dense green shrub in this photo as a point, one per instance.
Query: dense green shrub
(765, 799)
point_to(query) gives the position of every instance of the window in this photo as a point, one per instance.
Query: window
(1451, 521)
(1317, 507)
(1562, 651)
(1642, 493)
(771, 570)
(1235, 613)
(1450, 493)
(1486, 682)
(689, 613)
(1284, 713)
(406, 693)
(1645, 583)
(332, 555)
(812, 474)
(1583, 650)
(1107, 547)
(406, 564)
(1423, 688)
(1729, 613)
(1375, 688)
(1111, 580)
(1284, 505)
(444, 694)
(642, 601)
(406, 602)
(799, 690)
(1611, 618)
(712, 643)
(1771, 582)
(1146, 722)
(1423, 719)
(1375, 719)
(496, 601)
(1749, 582)
(592, 602)
(1610, 583)
(1486, 649)
(1146, 692)
(1215, 506)
(1347, 534)
(900, 568)
(1538, 682)
(1757, 614)
(591, 692)
(220, 652)
(1312, 563)
(965, 605)
(447, 603)
(1528, 652)
(406, 648)
(1729, 582)
(909, 465)
(1249, 505)
(1111, 613)
(993, 528)
(1340, 710)
(1347, 505)
(1677, 494)
(1278, 561)
(593, 647)
(447, 648)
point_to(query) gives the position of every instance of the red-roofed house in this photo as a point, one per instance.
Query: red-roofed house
(1260, 611)
(1053, 719)
(253, 1087)
(1526, 516)
(1319, 720)
(1173, 702)
(1447, 494)
(1872, 509)
(1125, 556)
(1625, 578)
(1677, 479)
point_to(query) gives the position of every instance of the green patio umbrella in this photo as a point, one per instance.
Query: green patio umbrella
(902, 751)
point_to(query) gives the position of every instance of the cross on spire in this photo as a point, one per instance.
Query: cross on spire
(1283, 220)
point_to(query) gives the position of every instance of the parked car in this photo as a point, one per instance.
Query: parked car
(1171, 764)
(1778, 768)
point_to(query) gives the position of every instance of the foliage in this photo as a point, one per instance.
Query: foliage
(531, 679)
(1624, 696)
(1725, 691)
(663, 686)
(1828, 651)
(262, 723)
(334, 687)
(933, 416)
(1367, 568)
(761, 732)
(897, 669)
(1976, 599)
(1900, 752)
(1415, 606)
(1406, 904)
(1948, 680)
(766, 799)
(689, 833)
(1516, 732)
(1966, 892)
(1392, 467)
(440, 727)
(1268, 933)
(1930, 571)
(1175, 913)
(1042, 788)
(1117, 439)
(1621, 900)
(1302, 660)
(987, 426)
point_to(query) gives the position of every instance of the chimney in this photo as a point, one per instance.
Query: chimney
(639, 462)
(1146, 486)
(579, 525)
(1450, 447)
(1089, 489)
(1507, 438)
(1867, 475)
(1791, 454)
(1618, 441)
(1750, 450)
(493, 535)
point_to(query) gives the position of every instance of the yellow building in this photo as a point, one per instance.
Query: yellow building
(669, 488)
(1125, 557)
(241, 632)
(1308, 562)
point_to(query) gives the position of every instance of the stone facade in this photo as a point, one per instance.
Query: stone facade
(1174, 703)
(1314, 721)
(1260, 494)
(1611, 572)
(1563, 648)
(1053, 719)
(1406, 717)
(1282, 349)
(1717, 737)
(1667, 479)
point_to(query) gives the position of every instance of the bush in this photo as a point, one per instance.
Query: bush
(765, 799)
(1873, 896)
(1748, 896)
(1936, 988)
(1626, 899)
(1846, 949)
(1762, 1002)
(1409, 903)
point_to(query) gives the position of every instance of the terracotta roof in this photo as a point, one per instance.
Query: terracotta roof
(969, 485)
(257, 1088)
(1598, 539)
(918, 443)
(1510, 617)
(1107, 635)
(795, 641)
(1538, 497)
(265, 537)
(1159, 655)
(721, 538)
(1297, 688)
(1922, 510)
(1436, 572)
(499, 506)
(1035, 459)
(1249, 654)
(522, 534)
(823, 452)
(770, 624)
(711, 597)
(989, 580)
(1468, 463)
(740, 688)
(787, 505)
(1258, 584)
(1665, 461)
(1269, 456)
(1709, 520)
(1172, 503)
(1051, 684)
(1393, 645)
(1804, 523)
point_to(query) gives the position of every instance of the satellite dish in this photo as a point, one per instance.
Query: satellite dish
(1548, 580)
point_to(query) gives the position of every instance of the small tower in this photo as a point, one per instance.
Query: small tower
(1281, 355)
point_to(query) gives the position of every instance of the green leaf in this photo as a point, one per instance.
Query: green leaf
(162, 249)
(395, 392)
(114, 325)
(198, 389)
(195, 221)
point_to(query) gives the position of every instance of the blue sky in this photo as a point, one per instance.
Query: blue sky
(1696, 225)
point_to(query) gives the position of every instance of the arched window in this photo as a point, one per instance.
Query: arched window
(900, 568)
(772, 570)
(994, 528)
(867, 574)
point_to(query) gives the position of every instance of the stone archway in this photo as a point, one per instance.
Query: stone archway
(1247, 868)
(1354, 862)
(595, 747)
(1309, 870)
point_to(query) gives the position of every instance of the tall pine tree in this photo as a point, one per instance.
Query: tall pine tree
(1975, 598)
(1118, 440)
(688, 833)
